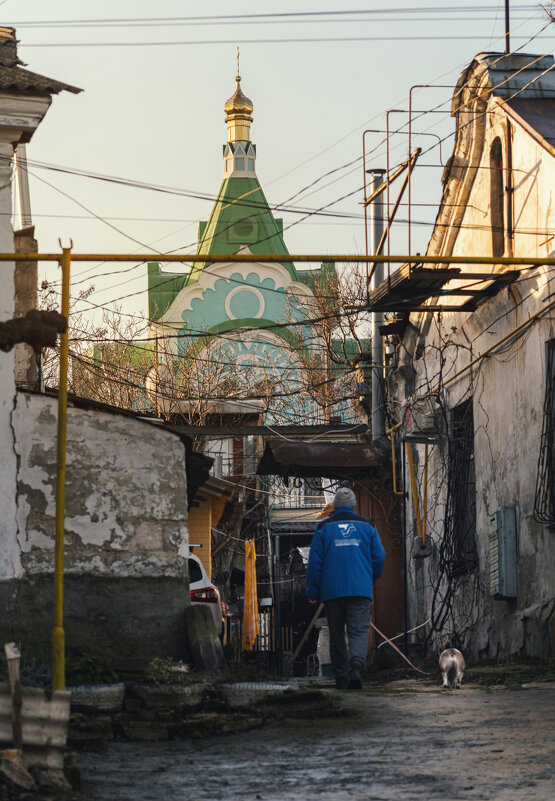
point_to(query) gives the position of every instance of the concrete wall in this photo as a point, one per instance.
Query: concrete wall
(508, 390)
(20, 114)
(126, 540)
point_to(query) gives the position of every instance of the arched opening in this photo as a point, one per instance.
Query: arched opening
(496, 198)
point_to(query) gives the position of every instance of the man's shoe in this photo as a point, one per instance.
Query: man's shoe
(341, 683)
(355, 680)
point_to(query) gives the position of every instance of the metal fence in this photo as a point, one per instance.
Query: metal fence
(267, 643)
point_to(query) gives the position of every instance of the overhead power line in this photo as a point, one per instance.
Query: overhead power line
(309, 213)
(288, 40)
(289, 16)
(169, 190)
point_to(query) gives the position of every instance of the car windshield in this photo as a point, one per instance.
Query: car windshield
(195, 573)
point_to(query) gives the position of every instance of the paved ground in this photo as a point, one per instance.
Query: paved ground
(407, 740)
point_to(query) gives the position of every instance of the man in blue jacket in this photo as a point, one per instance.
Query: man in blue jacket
(346, 557)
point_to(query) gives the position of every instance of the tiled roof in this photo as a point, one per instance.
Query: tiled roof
(17, 79)
(14, 78)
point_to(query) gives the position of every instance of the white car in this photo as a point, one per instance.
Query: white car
(204, 592)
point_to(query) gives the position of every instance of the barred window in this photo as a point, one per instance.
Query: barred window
(544, 504)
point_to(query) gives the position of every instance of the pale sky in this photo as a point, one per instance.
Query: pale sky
(154, 114)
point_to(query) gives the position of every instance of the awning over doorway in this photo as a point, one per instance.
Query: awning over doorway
(338, 460)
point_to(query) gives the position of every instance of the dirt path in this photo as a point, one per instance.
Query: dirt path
(400, 745)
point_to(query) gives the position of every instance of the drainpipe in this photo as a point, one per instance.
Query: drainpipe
(405, 558)
(376, 227)
(277, 617)
(510, 193)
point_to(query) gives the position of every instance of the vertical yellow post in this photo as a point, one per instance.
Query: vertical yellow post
(425, 499)
(393, 466)
(414, 489)
(58, 636)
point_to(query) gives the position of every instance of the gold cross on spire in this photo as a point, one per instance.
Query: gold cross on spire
(238, 73)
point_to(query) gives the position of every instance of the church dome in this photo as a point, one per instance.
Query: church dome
(238, 110)
(238, 103)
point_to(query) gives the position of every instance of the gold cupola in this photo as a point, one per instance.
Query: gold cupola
(238, 111)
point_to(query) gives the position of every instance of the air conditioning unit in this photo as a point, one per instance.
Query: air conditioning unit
(423, 420)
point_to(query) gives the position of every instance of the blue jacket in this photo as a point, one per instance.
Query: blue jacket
(346, 557)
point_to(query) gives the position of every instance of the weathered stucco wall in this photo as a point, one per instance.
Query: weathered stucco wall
(126, 541)
(508, 390)
(508, 393)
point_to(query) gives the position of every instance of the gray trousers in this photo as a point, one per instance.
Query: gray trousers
(354, 614)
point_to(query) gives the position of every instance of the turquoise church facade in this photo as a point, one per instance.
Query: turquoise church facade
(247, 321)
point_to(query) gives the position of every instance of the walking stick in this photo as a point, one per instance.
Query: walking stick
(376, 629)
(304, 637)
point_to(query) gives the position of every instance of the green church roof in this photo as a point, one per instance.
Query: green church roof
(163, 287)
(241, 216)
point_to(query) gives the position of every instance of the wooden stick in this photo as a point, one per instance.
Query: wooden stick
(304, 637)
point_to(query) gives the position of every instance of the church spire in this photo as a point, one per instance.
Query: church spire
(238, 110)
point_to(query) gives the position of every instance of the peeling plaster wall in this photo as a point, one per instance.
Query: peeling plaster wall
(126, 537)
(508, 391)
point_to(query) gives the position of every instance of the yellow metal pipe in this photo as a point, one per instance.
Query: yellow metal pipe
(414, 489)
(391, 432)
(425, 498)
(214, 258)
(58, 636)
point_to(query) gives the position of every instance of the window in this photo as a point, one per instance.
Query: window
(239, 164)
(243, 231)
(251, 164)
(496, 198)
(243, 228)
(460, 515)
(195, 573)
(544, 504)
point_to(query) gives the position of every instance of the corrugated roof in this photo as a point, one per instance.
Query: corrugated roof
(326, 459)
(284, 527)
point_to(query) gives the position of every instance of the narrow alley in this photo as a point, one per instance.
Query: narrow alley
(277, 401)
(408, 740)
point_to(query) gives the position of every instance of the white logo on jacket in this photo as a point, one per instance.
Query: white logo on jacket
(347, 529)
